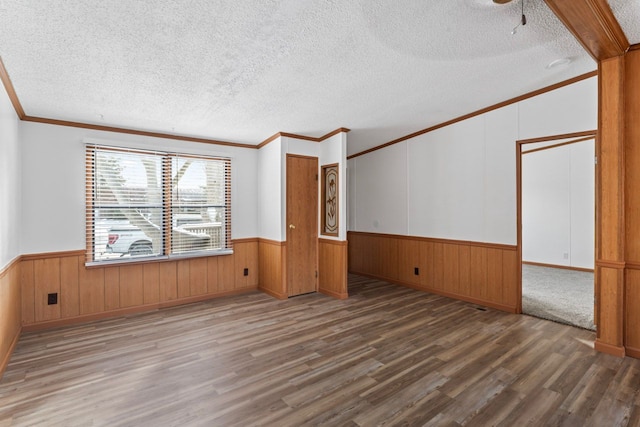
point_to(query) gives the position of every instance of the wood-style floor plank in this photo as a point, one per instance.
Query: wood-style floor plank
(386, 356)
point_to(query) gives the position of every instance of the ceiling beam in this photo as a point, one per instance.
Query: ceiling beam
(592, 22)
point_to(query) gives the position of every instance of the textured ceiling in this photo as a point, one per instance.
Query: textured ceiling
(243, 70)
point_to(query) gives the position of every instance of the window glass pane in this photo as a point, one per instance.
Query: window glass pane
(198, 205)
(128, 207)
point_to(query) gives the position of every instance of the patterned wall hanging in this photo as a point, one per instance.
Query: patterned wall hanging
(330, 213)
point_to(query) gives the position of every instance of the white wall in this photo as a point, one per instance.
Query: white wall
(270, 192)
(558, 205)
(10, 194)
(53, 180)
(459, 182)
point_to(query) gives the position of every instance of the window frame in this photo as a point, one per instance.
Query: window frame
(166, 161)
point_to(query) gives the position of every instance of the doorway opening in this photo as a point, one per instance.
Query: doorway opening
(556, 227)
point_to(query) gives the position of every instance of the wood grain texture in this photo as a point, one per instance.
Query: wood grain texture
(593, 24)
(46, 274)
(332, 268)
(484, 274)
(10, 311)
(386, 356)
(96, 291)
(302, 224)
(610, 207)
(271, 256)
(632, 203)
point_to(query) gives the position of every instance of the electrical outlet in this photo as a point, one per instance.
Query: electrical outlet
(52, 299)
(246, 271)
(416, 271)
(566, 255)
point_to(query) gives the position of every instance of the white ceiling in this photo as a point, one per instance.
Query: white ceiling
(243, 70)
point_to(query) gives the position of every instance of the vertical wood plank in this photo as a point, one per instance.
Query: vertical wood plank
(184, 288)
(632, 321)
(91, 283)
(409, 259)
(69, 292)
(253, 263)
(240, 263)
(151, 283)
(212, 275)
(226, 278)
(131, 286)
(47, 280)
(27, 282)
(494, 275)
(438, 266)
(168, 281)
(198, 276)
(451, 273)
(510, 280)
(111, 288)
(464, 267)
(478, 270)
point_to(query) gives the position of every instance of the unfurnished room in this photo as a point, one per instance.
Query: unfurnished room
(319, 212)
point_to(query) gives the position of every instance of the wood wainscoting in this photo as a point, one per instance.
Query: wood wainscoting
(481, 273)
(98, 292)
(10, 313)
(273, 268)
(332, 266)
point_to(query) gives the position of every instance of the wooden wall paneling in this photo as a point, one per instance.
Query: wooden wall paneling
(131, 285)
(91, 283)
(610, 323)
(409, 259)
(168, 281)
(10, 311)
(240, 261)
(27, 284)
(47, 280)
(151, 283)
(632, 314)
(252, 263)
(226, 276)
(183, 275)
(610, 207)
(387, 258)
(478, 264)
(198, 276)
(111, 288)
(451, 268)
(426, 254)
(438, 266)
(69, 290)
(212, 274)
(332, 267)
(495, 283)
(464, 269)
(632, 156)
(270, 257)
(510, 280)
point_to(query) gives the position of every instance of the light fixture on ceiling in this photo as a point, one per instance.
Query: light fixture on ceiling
(502, 1)
(523, 20)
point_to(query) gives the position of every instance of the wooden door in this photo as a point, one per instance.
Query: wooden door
(302, 224)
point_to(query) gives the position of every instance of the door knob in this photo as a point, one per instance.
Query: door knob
(291, 226)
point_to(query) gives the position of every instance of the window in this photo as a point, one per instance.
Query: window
(144, 204)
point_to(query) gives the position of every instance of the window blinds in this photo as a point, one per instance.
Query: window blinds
(150, 204)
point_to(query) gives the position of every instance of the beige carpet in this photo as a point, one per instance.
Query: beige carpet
(564, 296)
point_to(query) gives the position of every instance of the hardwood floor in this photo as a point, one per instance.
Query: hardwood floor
(387, 355)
